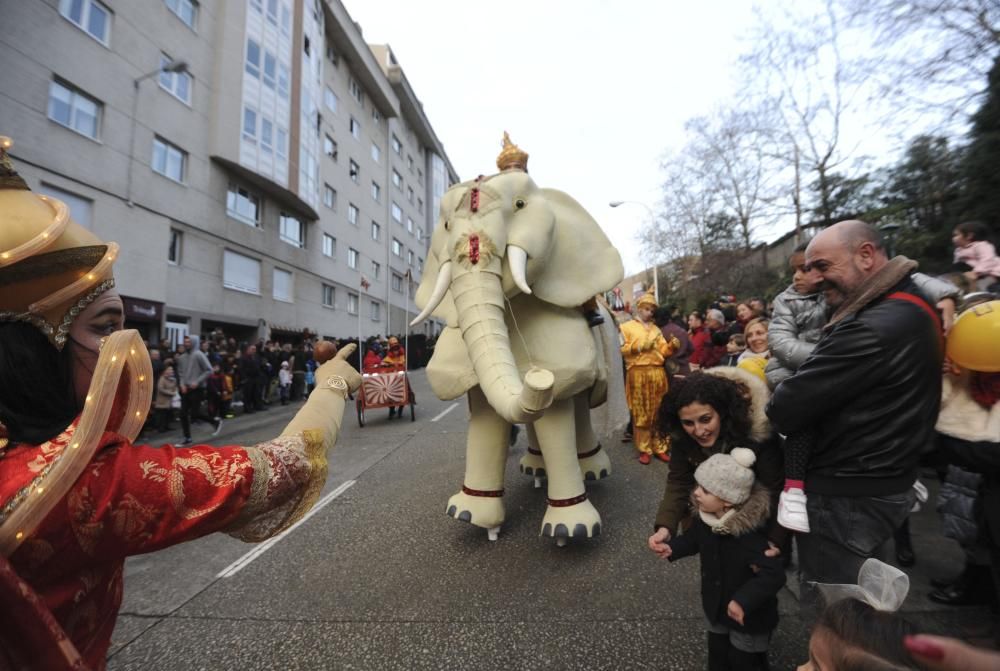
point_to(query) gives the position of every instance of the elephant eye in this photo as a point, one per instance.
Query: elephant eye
(446, 226)
(519, 203)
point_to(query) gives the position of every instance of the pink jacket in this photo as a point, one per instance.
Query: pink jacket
(982, 256)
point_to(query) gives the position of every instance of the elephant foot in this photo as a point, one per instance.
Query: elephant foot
(595, 465)
(533, 464)
(483, 509)
(493, 533)
(577, 520)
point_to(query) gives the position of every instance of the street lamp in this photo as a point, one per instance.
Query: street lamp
(652, 221)
(172, 66)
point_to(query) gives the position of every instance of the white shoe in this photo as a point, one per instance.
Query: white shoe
(792, 510)
(218, 427)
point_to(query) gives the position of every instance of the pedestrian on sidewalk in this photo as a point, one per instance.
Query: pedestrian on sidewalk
(739, 582)
(193, 370)
(166, 389)
(284, 382)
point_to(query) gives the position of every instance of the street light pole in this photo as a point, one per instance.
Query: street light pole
(172, 66)
(652, 221)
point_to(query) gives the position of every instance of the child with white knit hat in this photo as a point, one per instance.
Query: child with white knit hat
(739, 583)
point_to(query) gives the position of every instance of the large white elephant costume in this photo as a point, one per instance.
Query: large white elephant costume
(510, 265)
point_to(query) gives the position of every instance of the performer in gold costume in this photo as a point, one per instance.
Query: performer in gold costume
(645, 350)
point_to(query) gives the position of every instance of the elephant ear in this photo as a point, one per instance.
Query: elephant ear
(446, 308)
(581, 263)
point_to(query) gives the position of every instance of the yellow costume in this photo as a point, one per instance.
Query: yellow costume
(645, 350)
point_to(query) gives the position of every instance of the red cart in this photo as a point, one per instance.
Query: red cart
(384, 387)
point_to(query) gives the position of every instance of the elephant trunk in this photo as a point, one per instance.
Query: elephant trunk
(479, 302)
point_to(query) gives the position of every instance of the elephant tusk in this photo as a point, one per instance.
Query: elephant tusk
(440, 289)
(517, 260)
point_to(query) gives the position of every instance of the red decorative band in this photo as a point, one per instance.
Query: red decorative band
(565, 503)
(586, 455)
(479, 492)
(532, 450)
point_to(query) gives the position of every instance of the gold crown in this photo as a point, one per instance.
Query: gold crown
(647, 300)
(512, 157)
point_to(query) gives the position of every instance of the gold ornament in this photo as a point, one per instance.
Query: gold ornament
(512, 157)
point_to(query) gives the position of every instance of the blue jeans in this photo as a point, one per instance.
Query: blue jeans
(845, 531)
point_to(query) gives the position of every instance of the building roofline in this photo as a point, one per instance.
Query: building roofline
(351, 45)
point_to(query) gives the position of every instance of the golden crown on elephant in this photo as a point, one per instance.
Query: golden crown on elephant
(512, 157)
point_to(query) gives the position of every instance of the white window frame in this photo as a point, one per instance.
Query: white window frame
(397, 146)
(354, 171)
(375, 310)
(330, 99)
(87, 6)
(249, 130)
(376, 270)
(376, 192)
(236, 196)
(169, 150)
(329, 296)
(171, 81)
(397, 213)
(229, 258)
(283, 297)
(178, 7)
(330, 147)
(355, 128)
(397, 179)
(356, 91)
(176, 247)
(409, 224)
(397, 247)
(409, 257)
(352, 303)
(330, 197)
(376, 230)
(252, 67)
(288, 226)
(397, 282)
(376, 153)
(376, 115)
(76, 97)
(409, 194)
(352, 214)
(352, 258)
(329, 246)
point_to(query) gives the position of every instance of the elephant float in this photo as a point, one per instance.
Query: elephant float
(510, 266)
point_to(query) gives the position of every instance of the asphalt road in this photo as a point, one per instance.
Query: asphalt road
(381, 578)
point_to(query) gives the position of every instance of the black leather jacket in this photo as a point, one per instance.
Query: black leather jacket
(870, 391)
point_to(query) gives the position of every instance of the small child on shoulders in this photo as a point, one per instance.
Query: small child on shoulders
(735, 348)
(976, 256)
(739, 583)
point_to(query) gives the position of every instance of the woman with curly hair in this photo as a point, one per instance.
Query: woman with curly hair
(708, 413)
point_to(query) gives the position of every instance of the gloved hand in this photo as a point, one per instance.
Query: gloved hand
(338, 366)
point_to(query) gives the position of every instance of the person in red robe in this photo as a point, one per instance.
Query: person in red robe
(77, 494)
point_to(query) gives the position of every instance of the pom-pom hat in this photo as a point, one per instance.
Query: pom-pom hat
(728, 476)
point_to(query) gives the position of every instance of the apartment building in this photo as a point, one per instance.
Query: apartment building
(265, 170)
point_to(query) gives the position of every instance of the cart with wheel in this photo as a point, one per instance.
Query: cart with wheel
(384, 387)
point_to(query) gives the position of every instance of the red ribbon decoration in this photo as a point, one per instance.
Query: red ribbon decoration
(474, 247)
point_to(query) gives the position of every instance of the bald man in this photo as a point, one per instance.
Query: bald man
(871, 388)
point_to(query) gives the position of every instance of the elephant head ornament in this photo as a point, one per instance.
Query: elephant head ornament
(509, 266)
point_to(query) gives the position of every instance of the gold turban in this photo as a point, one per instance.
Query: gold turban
(647, 301)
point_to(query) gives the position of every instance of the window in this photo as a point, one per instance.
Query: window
(331, 55)
(282, 285)
(74, 109)
(420, 234)
(282, 142)
(376, 231)
(420, 204)
(409, 223)
(266, 135)
(355, 128)
(420, 176)
(397, 179)
(240, 272)
(330, 147)
(249, 124)
(352, 258)
(186, 11)
(356, 91)
(355, 172)
(376, 153)
(376, 311)
(90, 16)
(397, 247)
(409, 257)
(352, 214)
(330, 99)
(376, 116)
(409, 193)
(330, 196)
(409, 162)
(397, 213)
(243, 205)
(376, 270)
(283, 80)
(397, 283)
(168, 160)
(329, 245)
(177, 83)
(290, 230)
(286, 20)
(256, 5)
(272, 11)
(174, 253)
(253, 58)
(80, 209)
(376, 191)
(397, 146)
(270, 69)
(352, 303)
(420, 264)
(329, 294)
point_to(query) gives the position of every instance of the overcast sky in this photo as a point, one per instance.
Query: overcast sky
(594, 91)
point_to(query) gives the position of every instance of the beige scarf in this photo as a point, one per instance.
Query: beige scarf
(873, 288)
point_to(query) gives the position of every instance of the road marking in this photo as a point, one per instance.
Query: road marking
(243, 561)
(446, 411)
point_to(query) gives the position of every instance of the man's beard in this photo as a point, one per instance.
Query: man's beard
(832, 294)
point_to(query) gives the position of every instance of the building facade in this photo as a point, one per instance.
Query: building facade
(265, 171)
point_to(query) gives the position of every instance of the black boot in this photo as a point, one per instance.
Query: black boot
(973, 587)
(718, 652)
(904, 546)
